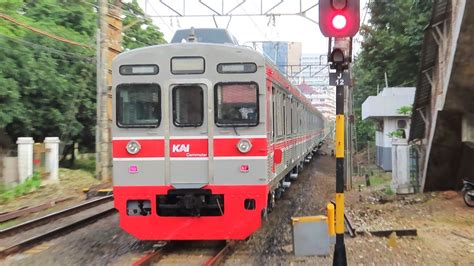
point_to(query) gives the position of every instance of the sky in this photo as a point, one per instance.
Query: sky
(246, 28)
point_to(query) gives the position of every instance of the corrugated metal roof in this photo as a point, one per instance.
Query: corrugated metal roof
(429, 55)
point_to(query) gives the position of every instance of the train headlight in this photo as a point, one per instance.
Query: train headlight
(133, 147)
(244, 145)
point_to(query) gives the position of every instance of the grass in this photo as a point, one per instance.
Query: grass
(377, 178)
(31, 183)
(380, 178)
(388, 190)
(87, 165)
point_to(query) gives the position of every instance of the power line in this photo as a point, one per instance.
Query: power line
(49, 35)
(139, 14)
(46, 48)
(68, 60)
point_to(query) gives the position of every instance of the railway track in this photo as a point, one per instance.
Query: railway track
(23, 236)
(178, 252)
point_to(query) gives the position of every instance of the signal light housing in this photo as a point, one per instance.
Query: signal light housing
(341, 20)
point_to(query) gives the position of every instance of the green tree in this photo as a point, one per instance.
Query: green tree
(48, 88)
(139, 29)
(391, 43)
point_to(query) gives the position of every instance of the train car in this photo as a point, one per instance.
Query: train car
(205, 136)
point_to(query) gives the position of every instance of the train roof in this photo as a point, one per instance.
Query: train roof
(205, 35)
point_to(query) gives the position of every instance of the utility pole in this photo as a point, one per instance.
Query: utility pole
(109, 45)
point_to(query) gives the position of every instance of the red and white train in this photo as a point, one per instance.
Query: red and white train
(206, 135)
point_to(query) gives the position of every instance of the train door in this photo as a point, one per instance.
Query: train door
(188, 136)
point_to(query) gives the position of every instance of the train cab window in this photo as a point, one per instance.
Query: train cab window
(236, 104)
(138, 105)
(188, 106)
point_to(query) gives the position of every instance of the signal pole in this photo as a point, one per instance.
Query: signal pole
(108, 45)
(340, 248)
(339, 20)
(339, 62)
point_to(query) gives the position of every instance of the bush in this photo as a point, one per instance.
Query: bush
(85, 164)
(31, 183)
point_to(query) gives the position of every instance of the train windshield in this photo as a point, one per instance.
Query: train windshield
(236, 104)
(188, 106)
(138, 105)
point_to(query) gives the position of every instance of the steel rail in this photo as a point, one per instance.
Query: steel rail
(156, 255)
(54, 216)
(55, 232)
(219, 256)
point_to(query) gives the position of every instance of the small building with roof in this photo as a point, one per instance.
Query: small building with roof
(384, 110)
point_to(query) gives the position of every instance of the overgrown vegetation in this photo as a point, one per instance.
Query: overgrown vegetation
(30, 184)
(405, 110)
(392, 41)
(48, 88)
(86, 164)
(400, 133)
(388, 190)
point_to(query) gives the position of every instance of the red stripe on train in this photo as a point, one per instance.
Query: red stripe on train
(149, 148)
(182, 148)
(228, 147)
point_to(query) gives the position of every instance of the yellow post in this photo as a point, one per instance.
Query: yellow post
(331, 230)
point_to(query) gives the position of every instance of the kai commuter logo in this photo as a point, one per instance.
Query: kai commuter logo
(180, 147)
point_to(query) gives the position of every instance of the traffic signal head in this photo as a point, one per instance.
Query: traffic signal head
(339, 18)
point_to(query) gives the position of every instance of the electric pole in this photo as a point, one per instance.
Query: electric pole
(109, 45)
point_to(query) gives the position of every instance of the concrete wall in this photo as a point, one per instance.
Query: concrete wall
(383, 142)
(384, 158)
(8, 171)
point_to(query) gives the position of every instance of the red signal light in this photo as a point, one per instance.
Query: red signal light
(341, 20)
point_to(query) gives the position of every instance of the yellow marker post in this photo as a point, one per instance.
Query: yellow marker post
(331, 229)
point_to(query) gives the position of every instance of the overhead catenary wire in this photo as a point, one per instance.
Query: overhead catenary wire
(162, 20)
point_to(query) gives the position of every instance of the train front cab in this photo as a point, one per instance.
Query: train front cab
(189, 142)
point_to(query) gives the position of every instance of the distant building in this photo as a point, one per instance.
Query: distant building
(322, 98)
(294, 54)
(314, 70)
(383, 110)
(283, 54)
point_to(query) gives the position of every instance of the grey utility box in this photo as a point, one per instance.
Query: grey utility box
(310, 236)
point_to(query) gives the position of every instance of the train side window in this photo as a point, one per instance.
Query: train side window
(290, 117)
(274, 120)
(284, 118)
(236, 104)
(188, 106)
(281, 123)
(138, 105)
